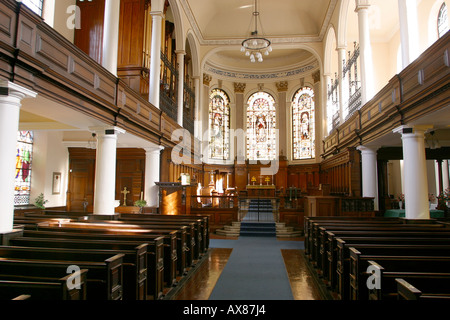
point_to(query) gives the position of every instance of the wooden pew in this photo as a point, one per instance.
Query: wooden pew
(195, 231)
(313, 228)
(42, 288)
(186, 236)
(204, 223)
(171, 249)
(387, 289)
(336, 253)
(320, 241)
(105, 281)
(135, 259)
(433, 261)
(156, 247)
(308, 221)
(430, 289)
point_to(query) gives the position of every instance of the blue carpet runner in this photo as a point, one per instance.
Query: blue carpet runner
(259, 220)
(255, 270)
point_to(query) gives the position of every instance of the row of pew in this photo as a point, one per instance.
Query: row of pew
(377, 258)
(61, 255)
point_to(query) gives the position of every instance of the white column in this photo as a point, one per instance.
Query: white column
(180, 60)
(157, 14)
(11, 96)
(342, 97)
(327, 112)
(111, 35)
(369, 173)
(408, 30)
(197, 122)
(152, 175)
(367, 74)
(105, 170)
(415, 172)
(445, 177)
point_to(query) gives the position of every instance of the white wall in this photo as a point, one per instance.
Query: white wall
(49, 155)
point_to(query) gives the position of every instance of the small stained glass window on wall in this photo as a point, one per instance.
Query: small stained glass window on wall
(303, 125)
(24, 156)
(219, 125)
(261, 127)
(442, 22)
(35, 5)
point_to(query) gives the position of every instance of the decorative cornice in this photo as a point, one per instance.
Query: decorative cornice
(248, 76)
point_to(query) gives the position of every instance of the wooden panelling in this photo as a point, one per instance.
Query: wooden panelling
(89, 37)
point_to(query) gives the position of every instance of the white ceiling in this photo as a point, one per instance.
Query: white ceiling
(291, 25)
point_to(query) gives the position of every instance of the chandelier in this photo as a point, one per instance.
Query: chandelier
(256, 46)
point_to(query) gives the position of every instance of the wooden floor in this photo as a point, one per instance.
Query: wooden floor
(201, 284)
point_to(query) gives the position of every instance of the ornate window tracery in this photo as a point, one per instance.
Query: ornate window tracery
(261, 127)
(219, 125)
(303, 125)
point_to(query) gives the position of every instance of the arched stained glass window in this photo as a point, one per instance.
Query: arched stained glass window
(303, 125)
(442, 20)
(219, 125)
(23, 167)
(261, 127)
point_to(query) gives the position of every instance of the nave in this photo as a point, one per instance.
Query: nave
(300, 284)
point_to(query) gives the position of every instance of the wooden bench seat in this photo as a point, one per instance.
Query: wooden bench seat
(334, 250)
(319, 243)
(135, 261)
(195, 230)
(39, 288)
(201, 221)
(433, 261)
(171, 239)
(386, 289)
(160, 262)
(187, 235)
(430, 289)
(105, 281)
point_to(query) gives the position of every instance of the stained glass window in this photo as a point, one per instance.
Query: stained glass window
(442, 20)
(261, 127)
(23, 167)
(35, 5)
(303, 125)
(219, 125)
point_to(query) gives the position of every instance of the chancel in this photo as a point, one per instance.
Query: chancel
(200, 158)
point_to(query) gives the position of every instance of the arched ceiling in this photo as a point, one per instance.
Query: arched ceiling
(291, 25)
(288, 24)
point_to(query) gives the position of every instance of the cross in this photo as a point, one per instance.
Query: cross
(125, 192)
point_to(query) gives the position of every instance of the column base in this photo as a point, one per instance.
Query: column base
(5, 237)
(418, 221)
(103, 217)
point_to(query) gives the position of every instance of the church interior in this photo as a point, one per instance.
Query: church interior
(199, 150)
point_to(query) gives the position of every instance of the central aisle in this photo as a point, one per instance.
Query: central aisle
(255, 270)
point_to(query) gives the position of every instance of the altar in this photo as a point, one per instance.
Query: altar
(261, 190)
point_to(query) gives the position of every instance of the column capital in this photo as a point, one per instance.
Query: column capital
(418, 130)
(180, 52)
(368, 149)
(8, 88)
(151, 150)
(362, 4)
(107, 130)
